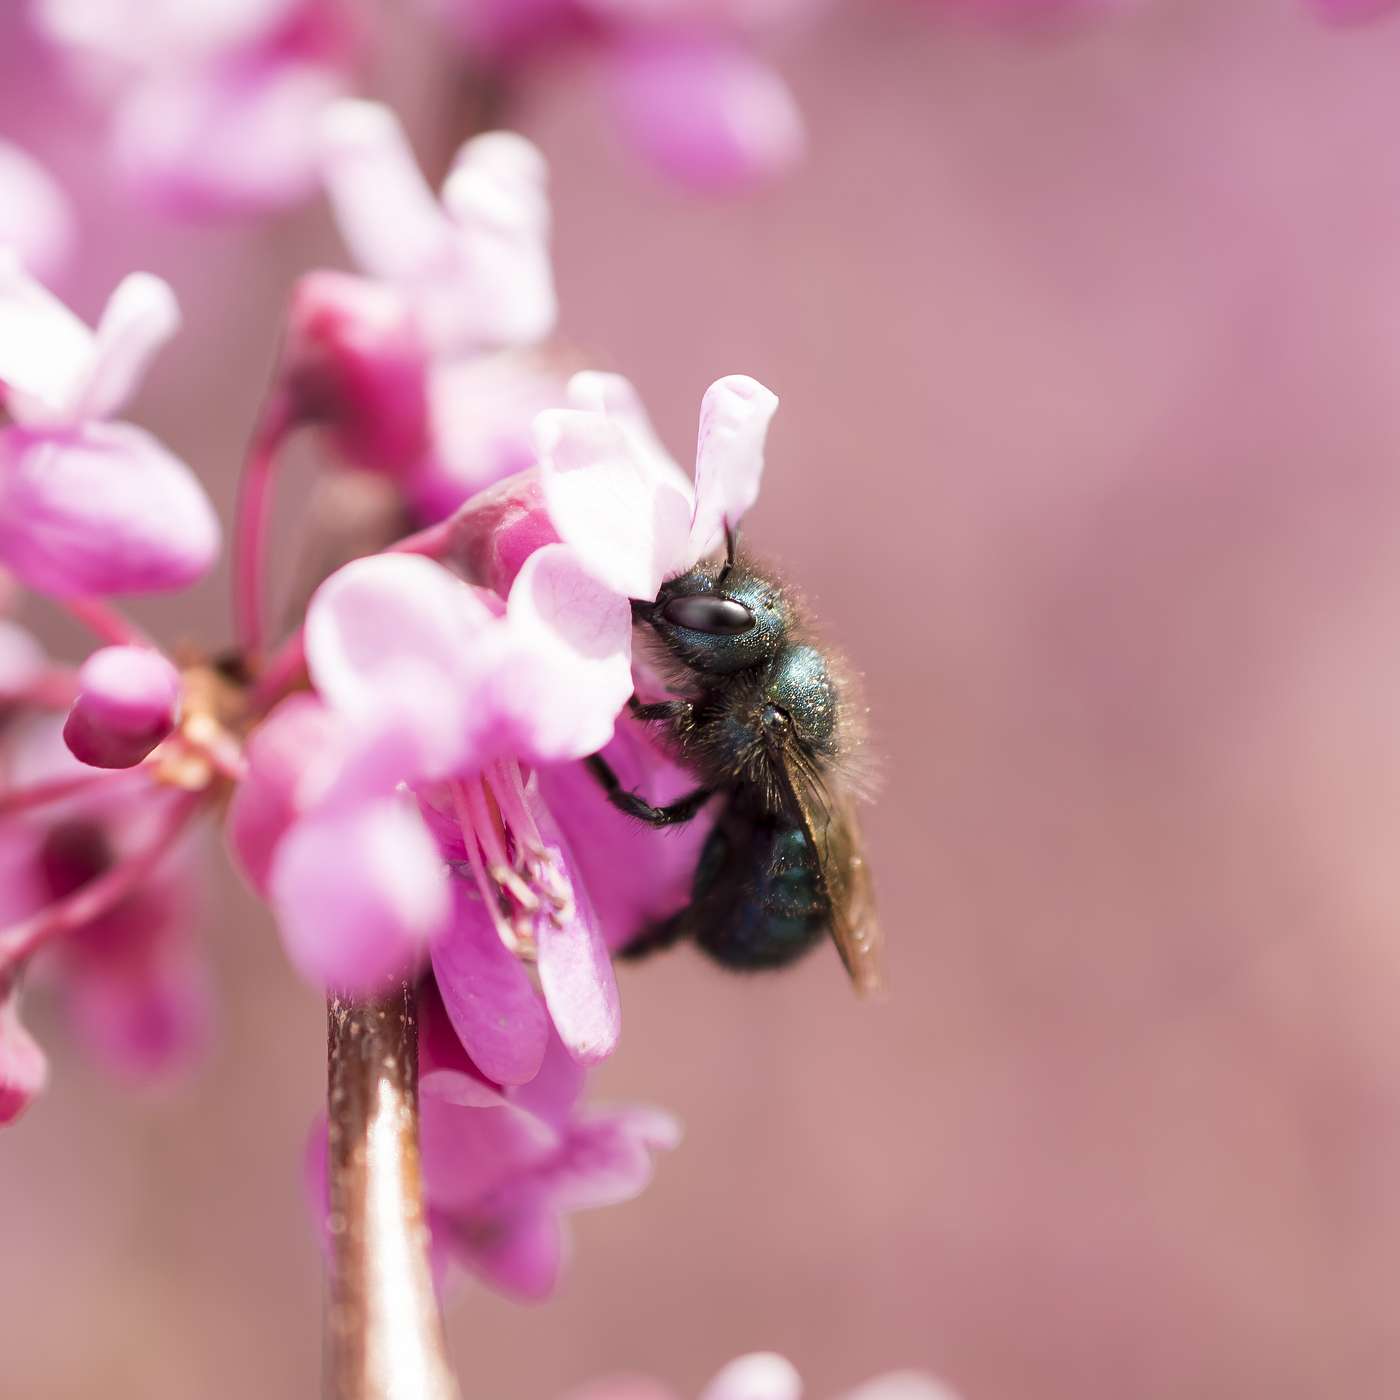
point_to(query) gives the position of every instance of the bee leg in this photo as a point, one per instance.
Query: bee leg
(673, 711)
(679, 811)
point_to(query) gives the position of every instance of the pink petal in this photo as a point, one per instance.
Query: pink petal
(488, 995)
(706, 112)
(356, 364)
(617, 399)
(575, 971)
(375, 616)
(36, 220)
(292, 757)
(608, 1157)
(128, 702)
(46, 352)
(572, 638)
(489, 538)
(629, 528)
(521, 1257)
(762, 1376)
(101, 509)
(471, 1155)
(359, 894)
(734, 418)
(552, 1094)
(902, 1385)
(386, 212)
(140, 316)
(22, 661)
(228, 138)
(23, 1069)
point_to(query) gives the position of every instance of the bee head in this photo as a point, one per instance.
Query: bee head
(718, 625)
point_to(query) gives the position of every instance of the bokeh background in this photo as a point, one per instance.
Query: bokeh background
(1089, 347)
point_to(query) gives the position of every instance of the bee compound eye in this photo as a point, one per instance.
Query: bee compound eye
(703, 612)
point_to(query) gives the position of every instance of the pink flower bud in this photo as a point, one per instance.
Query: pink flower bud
(128, 701)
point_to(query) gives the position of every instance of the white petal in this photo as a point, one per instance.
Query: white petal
(385, 209)
(46, 352)
(761, 1376)
(140, 316)
(734, 418)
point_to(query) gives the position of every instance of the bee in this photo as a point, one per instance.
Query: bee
(760, 716)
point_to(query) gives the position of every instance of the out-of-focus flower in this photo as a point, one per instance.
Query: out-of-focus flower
(128, 702)
(504, 1167)
(764, 1375)
(36, 220)
(423, 682)
(214, 106)
(107, 869)
(687, 85)
(90, 506)
(615, 494)
(471, 265)
(24, 1070)
(1346, 11)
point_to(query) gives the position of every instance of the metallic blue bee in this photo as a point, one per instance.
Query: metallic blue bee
(763, 720)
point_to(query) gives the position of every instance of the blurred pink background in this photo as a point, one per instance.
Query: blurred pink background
(1089, 454)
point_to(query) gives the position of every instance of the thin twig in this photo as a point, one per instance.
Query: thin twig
(384, 1336)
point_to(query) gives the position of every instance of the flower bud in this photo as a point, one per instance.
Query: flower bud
(128, 701)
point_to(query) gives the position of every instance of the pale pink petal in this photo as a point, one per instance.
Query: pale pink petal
(23, 1069)
(902, 1385)
(386, 212)
(573, 639)
(706, 111)
(22, 661)
(734, 418)
(489, 538)
(46, 352)
(232, 138)
(374, 616)
(471, 1154)
(552, 1094)
(488, 995)
(359, 893)
(576, 973)
(629, 528)
(128, 701)
(36, 220)
(293, 756)
(140, 316)
(607, 1158)
(101, 509)
(762, 1376)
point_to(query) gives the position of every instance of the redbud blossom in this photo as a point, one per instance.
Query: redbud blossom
(128, 702)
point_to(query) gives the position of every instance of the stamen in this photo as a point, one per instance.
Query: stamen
(489, 892)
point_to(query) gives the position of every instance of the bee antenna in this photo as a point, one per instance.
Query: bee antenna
(731, 549)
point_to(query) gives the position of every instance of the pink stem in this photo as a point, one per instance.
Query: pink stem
(281, 674)
(105, 622)
(25, 799)
(253, 515)
(20, 941)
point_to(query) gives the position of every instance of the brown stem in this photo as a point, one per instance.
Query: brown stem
(383, 1331)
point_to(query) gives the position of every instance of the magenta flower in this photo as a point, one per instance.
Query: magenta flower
(766, 1376)
(36, 220)
(423, 682)
(504, 1166)
(213, 107)
(90, 506)
(128, 702)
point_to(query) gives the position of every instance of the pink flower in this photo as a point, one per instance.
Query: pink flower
(214, 107)
(615, 495)
(88, 505)
(504, 1167)
(106, 867)
(688, 89)
(36, 220)
(471, 265)
(128, 702)
(424, 682)
(766, 1376)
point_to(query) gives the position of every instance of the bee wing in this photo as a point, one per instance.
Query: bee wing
(829, 820)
